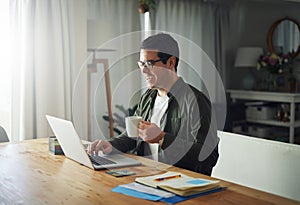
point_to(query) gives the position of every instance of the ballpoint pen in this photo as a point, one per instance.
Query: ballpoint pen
(166, 178)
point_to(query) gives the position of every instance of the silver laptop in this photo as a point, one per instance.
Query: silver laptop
(73, 148)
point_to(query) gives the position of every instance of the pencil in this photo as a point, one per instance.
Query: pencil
(169, 177)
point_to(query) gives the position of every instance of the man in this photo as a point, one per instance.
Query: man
(176, 127)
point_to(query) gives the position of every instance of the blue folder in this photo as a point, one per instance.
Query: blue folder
(176, 199)
(170, 200)
(137, 194)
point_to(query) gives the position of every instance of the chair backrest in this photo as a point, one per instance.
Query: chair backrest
(262, 164)
(3, 135)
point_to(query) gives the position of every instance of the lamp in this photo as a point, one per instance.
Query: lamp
(246, 57)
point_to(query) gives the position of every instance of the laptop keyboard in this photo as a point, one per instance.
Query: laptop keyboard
(97, 160)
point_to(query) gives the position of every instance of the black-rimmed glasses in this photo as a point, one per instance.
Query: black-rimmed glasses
(148, 64)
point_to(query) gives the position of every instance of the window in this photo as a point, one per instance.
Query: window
(5, 71)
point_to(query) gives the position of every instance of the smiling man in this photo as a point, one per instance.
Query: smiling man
(177, 126)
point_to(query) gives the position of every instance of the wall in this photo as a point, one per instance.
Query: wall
(259, 16)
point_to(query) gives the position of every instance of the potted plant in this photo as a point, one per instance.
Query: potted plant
(146, 5)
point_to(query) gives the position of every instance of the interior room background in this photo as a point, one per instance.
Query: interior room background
(48, 52)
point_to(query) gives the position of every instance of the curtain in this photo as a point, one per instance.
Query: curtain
(212, 27)
(48, 50)
(4, 68)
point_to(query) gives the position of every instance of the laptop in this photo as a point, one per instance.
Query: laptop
(73, 148)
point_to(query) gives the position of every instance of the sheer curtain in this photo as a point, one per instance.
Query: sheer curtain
(48, 50)
(4, 68)
(211, 25)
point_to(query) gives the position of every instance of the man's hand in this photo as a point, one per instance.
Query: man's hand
(150, 132)
(99, 145)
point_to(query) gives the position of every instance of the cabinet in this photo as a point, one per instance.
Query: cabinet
(291, 98)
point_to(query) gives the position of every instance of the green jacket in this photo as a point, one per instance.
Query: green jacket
(187, 126)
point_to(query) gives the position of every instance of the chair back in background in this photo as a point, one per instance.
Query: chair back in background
(261, 164)
(3, 135)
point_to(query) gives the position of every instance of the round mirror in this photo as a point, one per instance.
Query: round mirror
(284, 37)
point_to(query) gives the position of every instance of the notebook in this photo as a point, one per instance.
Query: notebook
(73, 148)
(179, 183)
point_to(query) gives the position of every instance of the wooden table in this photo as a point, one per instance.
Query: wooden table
(29, 174)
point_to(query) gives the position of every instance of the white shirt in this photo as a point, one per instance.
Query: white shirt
(159, 109)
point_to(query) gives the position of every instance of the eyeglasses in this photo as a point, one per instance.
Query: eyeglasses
(148, 64)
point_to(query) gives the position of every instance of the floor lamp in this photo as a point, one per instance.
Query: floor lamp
(92, 68)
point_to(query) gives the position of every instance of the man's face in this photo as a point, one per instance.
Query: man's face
(156, 75)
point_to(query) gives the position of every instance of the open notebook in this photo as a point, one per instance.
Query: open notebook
(73, 148)
(179, 183)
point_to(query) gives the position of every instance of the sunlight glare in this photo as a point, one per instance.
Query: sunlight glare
(5, 77)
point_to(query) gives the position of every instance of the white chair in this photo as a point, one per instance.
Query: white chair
(3, 135)
(261, 164)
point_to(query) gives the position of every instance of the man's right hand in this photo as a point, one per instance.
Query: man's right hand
(99, 145)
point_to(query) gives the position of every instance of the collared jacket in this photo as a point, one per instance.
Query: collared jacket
(190, 141)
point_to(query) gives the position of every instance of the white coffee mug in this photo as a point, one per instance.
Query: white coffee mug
(132, 123)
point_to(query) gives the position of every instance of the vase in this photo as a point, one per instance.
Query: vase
(271, 82)
(143, 8)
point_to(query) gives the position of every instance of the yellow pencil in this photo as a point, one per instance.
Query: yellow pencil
(169, 177)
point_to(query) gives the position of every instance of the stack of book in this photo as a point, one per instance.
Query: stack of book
(170, 187)
(54, 146)
(179, 184)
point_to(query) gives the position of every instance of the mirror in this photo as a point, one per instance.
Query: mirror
(284, 37)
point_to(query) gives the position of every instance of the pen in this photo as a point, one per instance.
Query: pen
(165, 178)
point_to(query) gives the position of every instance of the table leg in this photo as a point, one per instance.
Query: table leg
(292, 122)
